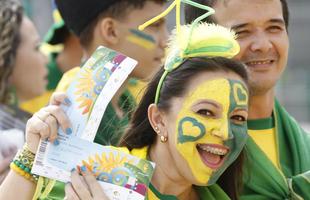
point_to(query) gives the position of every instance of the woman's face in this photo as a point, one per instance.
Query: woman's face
(207, 127)
(29, 75)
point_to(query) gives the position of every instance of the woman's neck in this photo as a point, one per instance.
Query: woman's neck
(166, 178)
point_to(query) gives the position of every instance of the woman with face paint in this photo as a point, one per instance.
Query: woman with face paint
(191, 122)
(196, 128)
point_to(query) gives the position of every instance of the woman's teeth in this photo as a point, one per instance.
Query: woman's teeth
(214, 150)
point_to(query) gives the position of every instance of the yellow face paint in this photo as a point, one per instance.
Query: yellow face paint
(141, 39)
(199, 134)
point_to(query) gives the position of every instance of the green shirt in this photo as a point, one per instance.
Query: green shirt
(111, 126)
(262, 180)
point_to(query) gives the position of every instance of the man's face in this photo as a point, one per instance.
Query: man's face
(147, 46)
(262, 36)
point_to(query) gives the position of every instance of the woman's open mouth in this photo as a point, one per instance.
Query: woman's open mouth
(212, 155)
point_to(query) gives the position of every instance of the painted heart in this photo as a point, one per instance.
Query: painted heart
(189, 130)
(240, 94)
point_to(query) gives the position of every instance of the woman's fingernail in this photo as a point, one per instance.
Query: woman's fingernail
(56, 142)
(83, 169)
(67, 101)
(69, 131)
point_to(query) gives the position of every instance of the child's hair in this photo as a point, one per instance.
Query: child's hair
(117, 10)
(11, 15)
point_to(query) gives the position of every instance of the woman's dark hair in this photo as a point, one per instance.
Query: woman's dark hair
(11, 15)
(140, 132)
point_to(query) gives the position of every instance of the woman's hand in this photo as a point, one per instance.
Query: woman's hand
(84, 187)
(44, 123)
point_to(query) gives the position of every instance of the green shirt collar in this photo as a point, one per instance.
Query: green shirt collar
(261, 124)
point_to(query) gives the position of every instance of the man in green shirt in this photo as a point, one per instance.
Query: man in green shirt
(278, 149)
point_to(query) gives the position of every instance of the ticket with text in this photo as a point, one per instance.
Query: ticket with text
(121, 175)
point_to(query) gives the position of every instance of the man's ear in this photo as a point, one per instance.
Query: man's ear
(157, 120)
(108, 31)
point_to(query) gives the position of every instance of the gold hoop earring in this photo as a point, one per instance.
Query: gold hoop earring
(163, 139)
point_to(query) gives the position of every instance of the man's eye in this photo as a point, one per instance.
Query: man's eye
(242, 33)
(205, 112)
(275, 29)
(238, 119)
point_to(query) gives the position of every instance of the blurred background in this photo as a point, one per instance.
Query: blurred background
(293, 90)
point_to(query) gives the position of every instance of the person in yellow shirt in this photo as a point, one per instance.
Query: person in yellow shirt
(22, 76)
(64, 52)
(278, 149)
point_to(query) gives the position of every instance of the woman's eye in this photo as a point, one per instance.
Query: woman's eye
(239, 119)
(205, 112)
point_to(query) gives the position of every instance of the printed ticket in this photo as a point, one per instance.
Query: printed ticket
(122, 175)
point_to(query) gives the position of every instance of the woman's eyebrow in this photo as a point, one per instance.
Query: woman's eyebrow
(212, 102)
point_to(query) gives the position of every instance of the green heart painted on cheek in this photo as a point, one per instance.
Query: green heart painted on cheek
(240, 95)
(196, 128)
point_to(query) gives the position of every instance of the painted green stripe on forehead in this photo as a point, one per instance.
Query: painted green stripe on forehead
(142, 35)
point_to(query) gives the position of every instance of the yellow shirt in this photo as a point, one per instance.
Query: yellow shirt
(263, 133)
(37, 103)
(136, 89)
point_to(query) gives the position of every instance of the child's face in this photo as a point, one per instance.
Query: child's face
(147, 46)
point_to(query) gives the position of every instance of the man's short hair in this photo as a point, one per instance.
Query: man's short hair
(191, 12)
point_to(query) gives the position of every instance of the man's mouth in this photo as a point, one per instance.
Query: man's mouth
(260, 64)
(212, 155)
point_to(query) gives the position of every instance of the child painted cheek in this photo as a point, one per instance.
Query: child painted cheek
(141, 39)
